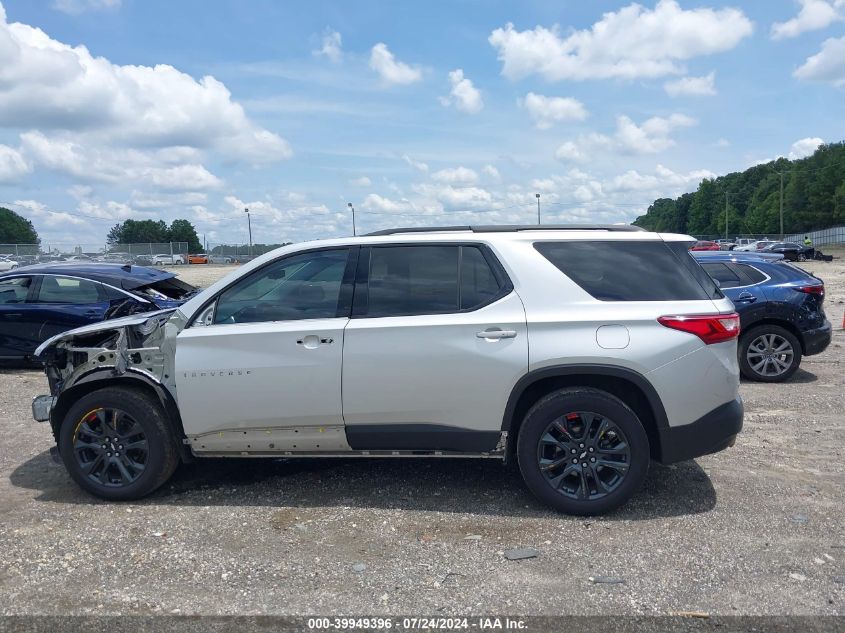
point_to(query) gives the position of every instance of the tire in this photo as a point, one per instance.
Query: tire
(771, 371)
(149, 451)
(556, 485)
(802, 257)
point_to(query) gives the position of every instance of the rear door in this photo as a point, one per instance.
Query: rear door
(436, 342)
(63, 303)
(741, 284)
(18, 324)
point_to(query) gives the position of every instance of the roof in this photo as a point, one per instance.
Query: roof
(737, 256)
(124, 276)
(508, 228)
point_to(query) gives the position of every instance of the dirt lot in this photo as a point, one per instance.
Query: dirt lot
(757, 529)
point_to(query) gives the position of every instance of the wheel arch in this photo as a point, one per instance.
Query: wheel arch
(784, 323)
(626, 384)
(105, 378)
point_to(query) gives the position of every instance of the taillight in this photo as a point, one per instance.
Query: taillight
(710, 328)
(813, 290)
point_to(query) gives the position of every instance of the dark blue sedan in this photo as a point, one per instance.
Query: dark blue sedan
(780, 308)
(40, 301)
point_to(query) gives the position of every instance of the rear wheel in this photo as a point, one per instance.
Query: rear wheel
(116, 443)
(769, 353)
(582, 451)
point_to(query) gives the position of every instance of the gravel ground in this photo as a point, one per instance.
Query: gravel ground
(757, 529)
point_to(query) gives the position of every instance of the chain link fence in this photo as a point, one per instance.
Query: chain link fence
(132, 253)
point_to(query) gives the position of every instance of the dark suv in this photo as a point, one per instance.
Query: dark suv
(780, 309)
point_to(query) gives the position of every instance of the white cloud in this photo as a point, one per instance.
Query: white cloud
(375, 202)
(332, 47)
(88, 163)
(13, 166)
(828, 65)
(491, 171)
(722, 142)
(464, 95)
(390, 69)
(814, 15)
(419, 166)
(48, 85)
(546, 111)
(659, 181)
(458, 175)
(692, 86)
(363, 181)
(630, 43)
(650, 137)
(570, 151)
(543, 185)
(75, 7)
(804, 147)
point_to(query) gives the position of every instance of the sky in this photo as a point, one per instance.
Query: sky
(416, 113)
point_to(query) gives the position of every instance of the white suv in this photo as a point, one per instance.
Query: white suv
(581, 352)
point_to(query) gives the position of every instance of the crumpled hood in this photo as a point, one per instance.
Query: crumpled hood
(102, 326)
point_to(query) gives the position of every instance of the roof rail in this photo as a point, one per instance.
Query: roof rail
(509, 228)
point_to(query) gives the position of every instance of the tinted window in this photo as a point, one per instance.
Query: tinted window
(753, 275)
(304, 286)
(413, 280)
(14, 290)
(478, 283)
(723, 273)
(631, 270)
(67, 290)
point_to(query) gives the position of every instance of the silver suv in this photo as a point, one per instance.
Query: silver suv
(580, 353)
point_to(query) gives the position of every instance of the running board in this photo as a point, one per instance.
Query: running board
(348, 454)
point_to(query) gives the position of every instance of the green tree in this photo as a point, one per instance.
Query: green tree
(15, 229)
(184, 231)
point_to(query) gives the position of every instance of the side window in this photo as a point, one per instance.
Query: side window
(406, 280)
(478, 283)
(303, 286)
(723, 273)
(754, 276)
(635, 270)
(68, 290)
(14, 290)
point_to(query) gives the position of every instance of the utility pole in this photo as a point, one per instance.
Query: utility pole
(538, 208)
(349, 204)
(249, 226)
(781, 204)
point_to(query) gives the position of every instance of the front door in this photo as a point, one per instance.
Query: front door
(19, 323)
(270, 354)
(437, 341)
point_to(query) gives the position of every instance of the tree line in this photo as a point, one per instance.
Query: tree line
(813, 199)
(156, 231)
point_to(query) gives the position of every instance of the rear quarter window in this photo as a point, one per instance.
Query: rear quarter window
(631, 270)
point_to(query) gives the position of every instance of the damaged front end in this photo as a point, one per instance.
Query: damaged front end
(140, 346)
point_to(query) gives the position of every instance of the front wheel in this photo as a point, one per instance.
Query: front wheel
(116, 443)
(582, 451)
(769, 353)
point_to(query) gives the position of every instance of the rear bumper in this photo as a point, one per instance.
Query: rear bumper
(816, 341)
(711, 433)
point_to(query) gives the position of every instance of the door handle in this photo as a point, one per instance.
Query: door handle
(495, 335)
(312, 341)
(747, 297)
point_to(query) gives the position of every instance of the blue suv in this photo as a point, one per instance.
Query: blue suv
(780, 310)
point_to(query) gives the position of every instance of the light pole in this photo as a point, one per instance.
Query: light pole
(249, 226)
(538, 208)
(349, 204)
(726, 215)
